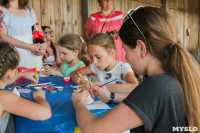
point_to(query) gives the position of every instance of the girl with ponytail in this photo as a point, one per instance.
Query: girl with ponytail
(101, 50)
(170, 62)
(73, 53)
(169, 99)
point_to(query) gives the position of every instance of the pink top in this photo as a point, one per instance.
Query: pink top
(113, 22)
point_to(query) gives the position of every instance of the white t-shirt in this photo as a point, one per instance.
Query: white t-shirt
(118, 72)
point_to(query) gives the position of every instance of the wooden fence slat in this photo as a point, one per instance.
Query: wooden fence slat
(57, 17)
(36, 7)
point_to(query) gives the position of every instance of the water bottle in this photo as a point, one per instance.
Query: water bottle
(37, 34)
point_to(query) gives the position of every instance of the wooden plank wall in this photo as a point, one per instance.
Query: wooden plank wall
(69, 16)
(64, 16)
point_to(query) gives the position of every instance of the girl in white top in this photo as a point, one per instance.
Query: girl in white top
(101, 49)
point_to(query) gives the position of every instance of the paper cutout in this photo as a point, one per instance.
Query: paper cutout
(97, 105)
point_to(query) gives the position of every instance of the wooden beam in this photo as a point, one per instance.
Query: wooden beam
(85, 10)
(199, 32)
(189, 10)
(165, 5)
(150, 2)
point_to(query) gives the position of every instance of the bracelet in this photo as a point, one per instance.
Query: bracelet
(112, 96)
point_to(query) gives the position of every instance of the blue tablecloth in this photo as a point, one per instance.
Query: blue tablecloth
(63, 118)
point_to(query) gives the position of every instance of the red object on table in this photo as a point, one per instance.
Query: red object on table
(22, 69)
(48, 87)
(67, 79)
(51, 89)
(42, 85)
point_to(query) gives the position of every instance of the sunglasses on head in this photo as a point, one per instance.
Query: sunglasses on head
(129, 15)
(48, 32)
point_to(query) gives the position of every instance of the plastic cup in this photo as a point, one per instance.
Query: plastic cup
(52, 85)
(52, 90)
(38, 88)
(67, 79)
(60, 88)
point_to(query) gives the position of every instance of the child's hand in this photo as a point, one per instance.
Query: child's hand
(39, 94)
(85, 84)
(30, 75)
(76, 76)
(42, 70)
(50, 71)
(101, 92)
(79, 97)
(80, 78)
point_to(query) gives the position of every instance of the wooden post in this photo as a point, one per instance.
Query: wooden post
(199, 28)
(165, 5)
(86, 12)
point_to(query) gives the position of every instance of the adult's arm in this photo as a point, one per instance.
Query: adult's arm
(119, 119)
(39, 110)
(14, 42)
(87, 34)
(104, 94)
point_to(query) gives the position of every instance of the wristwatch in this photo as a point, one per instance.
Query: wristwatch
(112, 96)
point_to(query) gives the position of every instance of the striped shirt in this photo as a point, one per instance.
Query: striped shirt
(95, 23)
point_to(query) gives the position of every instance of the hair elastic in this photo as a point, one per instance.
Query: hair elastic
(82, 40)
(172, 44)
(13, 48)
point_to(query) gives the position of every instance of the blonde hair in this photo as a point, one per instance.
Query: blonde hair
(105, 40)
(9, 58)
(161, 35)
(74, 42)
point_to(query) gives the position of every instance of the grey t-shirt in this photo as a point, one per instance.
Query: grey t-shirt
(7, 123)
(159, 103)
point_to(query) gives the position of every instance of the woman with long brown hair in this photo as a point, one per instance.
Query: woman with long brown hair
(169, 99)
(52, 55)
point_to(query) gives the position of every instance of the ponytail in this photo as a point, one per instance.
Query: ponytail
(83, 54)
(114, 34)
(182, 65)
